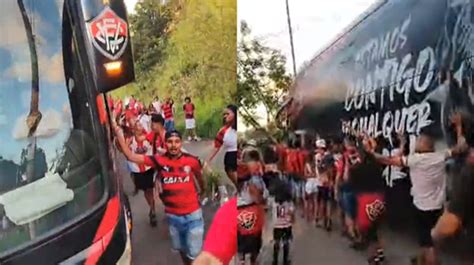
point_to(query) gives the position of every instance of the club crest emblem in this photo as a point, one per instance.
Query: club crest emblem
(187, 169)
(375, 210)
(247, 220)
(109, 34)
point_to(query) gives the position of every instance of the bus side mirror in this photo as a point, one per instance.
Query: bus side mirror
(108, 36)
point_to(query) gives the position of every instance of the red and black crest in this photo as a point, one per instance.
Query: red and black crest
(375, 210)
(109, 34)
(247, 220)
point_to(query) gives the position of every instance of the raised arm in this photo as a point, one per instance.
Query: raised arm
(132, 157)
(369, 147)
(461, 145)
(214, 152)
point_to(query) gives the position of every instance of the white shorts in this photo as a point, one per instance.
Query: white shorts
(190, 124)
(311, 186)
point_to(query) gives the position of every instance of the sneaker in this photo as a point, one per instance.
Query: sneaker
(380, 255)
(374, 261)
(152, 217)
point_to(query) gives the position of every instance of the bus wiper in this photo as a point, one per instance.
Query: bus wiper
(34, 117)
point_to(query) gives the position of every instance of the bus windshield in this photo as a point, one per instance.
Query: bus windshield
(50, 175)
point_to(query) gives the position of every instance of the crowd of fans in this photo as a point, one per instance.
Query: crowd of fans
(345, 175)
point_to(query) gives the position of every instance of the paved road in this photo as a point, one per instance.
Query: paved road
(152, 245)
(314, 246)
(311, 246)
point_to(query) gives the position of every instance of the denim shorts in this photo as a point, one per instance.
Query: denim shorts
(187, 233)
(348, 202)
(169, 125)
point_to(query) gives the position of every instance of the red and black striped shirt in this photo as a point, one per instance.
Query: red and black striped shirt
(167, 111)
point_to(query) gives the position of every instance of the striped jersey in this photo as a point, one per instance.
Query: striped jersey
(167, 111)
(283, 214)
(139, 147)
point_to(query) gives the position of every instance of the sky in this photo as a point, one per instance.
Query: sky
(15, 81)
(315, 24)
(130, 5)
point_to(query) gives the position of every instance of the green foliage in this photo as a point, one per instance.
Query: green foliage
(149, 27)
(262, 79)
(191, 52)
(213, 180)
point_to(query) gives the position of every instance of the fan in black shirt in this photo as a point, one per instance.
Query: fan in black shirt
(367, 183)
(367, 175)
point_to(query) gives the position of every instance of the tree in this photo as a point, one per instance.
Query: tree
(149, 28)
(262, 79)
(194, 56)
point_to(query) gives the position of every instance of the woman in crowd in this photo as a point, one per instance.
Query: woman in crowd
(227, 139)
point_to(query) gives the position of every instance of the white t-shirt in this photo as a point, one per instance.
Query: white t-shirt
(230, 140)
(145, 121)
(157, 105)
(282, 214)
(428, 177)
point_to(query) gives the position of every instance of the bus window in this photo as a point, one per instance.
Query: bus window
(49, 176)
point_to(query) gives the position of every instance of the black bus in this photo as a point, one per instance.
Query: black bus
(404, 65)
(61, 198)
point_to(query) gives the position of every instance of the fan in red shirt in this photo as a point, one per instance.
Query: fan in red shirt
(157, 135)
(250, 206)
(227, 139)
(190, 121)
(291, 169)
(178, 175)
(221, 239)
(168, 113)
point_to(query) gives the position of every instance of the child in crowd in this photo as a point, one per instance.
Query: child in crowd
(250, 204)
(283, 218)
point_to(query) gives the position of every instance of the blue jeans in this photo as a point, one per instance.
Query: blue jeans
(169, 125)
(187, 233)
(348, 201)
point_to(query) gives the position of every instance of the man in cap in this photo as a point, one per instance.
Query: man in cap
(178, 173)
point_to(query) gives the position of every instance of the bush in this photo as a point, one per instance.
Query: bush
(208, 118)
(212, 180)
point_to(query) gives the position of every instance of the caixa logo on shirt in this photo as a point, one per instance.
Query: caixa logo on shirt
(174, 180)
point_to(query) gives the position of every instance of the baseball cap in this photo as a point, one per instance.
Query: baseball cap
(320, 143)
(173, 133)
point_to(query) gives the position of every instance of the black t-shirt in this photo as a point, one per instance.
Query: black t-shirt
(462, 194)
(367, 176)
